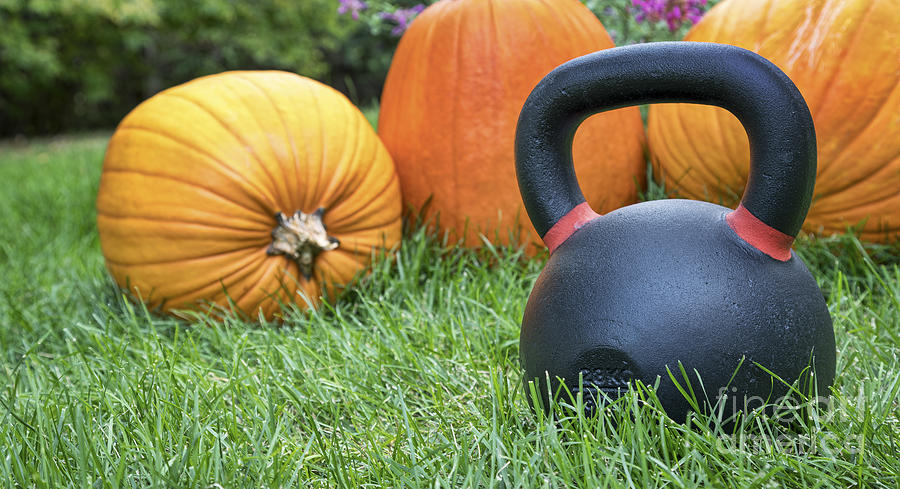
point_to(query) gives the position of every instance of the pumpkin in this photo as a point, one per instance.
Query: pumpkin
(844, 56)
(456, 84)
(248, 188)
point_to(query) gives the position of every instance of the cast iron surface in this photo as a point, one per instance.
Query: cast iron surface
(652, 284)
(633, 293)
(778, 123)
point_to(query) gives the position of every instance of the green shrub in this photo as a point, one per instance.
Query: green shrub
(84, 63)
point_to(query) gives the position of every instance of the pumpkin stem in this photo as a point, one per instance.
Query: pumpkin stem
(301, 237)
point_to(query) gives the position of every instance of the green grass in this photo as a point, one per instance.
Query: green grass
(411, 381)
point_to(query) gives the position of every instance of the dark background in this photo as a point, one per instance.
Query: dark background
(76, 64)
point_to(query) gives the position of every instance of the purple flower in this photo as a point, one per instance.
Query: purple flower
(402, 17)
(352, 6)
(673, 12)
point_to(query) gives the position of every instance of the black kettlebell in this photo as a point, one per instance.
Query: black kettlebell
(658, 286)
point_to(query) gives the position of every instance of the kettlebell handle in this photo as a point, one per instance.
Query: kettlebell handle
(772, 110)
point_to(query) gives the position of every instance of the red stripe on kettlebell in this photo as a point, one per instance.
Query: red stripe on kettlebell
(580, 215)
(759, 234)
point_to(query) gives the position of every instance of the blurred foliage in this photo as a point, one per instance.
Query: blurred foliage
(359, 67)
(79, 64)
(620, 19)
(82, 64)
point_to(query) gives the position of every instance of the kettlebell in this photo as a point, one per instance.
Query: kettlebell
(711, 297)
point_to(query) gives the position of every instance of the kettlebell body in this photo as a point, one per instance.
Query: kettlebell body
(640, 289)
(655, 289)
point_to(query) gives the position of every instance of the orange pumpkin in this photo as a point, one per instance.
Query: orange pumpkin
(844, 56)
(259, 188)
(457, 82)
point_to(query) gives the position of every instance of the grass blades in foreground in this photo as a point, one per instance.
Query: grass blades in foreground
(411, 381)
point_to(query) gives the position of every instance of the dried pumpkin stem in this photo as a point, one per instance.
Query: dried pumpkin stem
(301, 238)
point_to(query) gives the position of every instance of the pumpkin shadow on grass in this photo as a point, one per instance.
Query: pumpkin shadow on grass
(425, 252)
(116, 308)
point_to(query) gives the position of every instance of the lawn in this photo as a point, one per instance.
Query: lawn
(411, 381)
